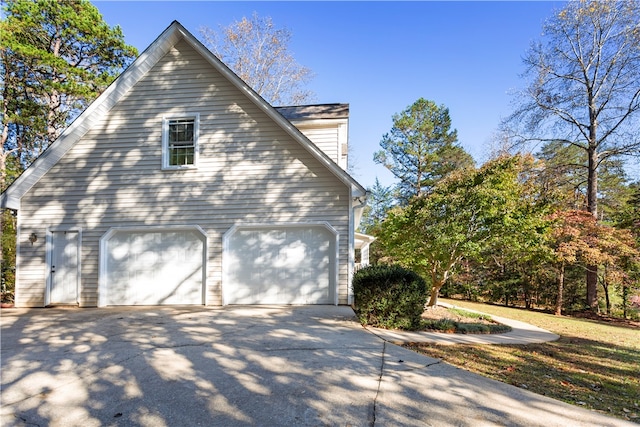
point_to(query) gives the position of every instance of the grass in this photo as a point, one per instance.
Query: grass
(469, 314)
(595, 364)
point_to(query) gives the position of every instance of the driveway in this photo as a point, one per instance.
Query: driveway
(232, 366)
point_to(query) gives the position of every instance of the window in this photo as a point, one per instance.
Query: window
(180, 142)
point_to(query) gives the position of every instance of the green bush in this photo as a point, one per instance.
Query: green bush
(478, 328)
(442, 325)
(451, 326)
(389, 296)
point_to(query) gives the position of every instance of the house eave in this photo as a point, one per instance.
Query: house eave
(8, 202)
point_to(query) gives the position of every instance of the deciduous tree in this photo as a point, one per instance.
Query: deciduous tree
(584, 89)
(436, 231)
(258, 52)
(578, 239)
(517, 250)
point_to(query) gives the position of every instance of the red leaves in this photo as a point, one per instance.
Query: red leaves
(579, 237)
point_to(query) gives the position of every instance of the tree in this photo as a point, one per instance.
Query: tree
(517, 251)
(258, 52)
(628, 214)
(584, 89)
(379, 201)
(572, 236)
(57, 56)
(564, 173)
(579, 239)
(421, 148)
(463, 212)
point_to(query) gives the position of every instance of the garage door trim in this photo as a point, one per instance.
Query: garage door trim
(103, 286)
(226, 239)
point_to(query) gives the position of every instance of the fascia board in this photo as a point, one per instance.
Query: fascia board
(318, 123)
(8, 202)
(364, 237)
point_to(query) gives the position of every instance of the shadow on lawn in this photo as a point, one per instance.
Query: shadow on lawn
(579, 371)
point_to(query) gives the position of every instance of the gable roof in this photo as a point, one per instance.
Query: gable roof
(10, 198)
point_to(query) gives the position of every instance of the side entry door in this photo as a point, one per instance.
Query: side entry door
(63, 269)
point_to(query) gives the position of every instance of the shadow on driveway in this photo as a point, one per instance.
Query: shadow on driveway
(267, 366)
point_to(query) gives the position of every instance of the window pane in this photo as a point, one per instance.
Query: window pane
(181, 130)
(181, 155)
(181, 142)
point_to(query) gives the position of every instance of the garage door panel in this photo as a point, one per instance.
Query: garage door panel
(154, 268)
(286, 265)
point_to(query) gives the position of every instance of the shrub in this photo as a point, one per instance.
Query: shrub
(389, 296)
(451, 326)
(479, 328)
(442, 325)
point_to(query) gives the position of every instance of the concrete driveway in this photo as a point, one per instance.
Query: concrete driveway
(264, 366)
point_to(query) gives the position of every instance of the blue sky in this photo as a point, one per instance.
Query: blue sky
(380, 57)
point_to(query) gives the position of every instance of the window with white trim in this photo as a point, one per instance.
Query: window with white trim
(180, 142)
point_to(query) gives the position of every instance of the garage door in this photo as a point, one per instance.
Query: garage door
(154, 267)
(280, 265)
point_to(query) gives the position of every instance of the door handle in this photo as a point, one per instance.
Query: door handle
(53, 268)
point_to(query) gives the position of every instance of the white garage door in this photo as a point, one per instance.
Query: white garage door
(154, 267)
(280, 265)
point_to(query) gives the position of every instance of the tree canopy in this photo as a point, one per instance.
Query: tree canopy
(258, 52)
(463, 213)
(421, 148)
(496, 231)
(379, 202)
(56, 57)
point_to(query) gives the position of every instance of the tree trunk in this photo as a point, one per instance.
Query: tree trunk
(435, 290)
(605, 286)
(592, 207)
(560, 282)
(592, 287)
(3, 174)
(54, 100)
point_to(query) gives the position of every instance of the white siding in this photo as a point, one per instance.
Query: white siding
(249, 170)
(329, 135)
(326, 138)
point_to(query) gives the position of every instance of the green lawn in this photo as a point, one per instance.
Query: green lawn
(595, 364)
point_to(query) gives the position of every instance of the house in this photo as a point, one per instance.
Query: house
(181, 185)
